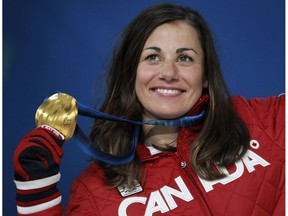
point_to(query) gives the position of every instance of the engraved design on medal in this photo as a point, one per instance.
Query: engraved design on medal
(60, 112)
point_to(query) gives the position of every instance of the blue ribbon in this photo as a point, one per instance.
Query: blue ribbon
(185, 121)
(96, 153)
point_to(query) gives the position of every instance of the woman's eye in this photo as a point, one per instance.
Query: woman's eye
(185, 59)
(152, 58)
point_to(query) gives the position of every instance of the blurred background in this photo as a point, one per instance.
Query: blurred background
(64, 46)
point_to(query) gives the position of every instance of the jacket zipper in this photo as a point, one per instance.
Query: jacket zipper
(190, 177)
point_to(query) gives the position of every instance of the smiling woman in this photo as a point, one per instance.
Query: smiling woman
(156, 71)
(165, 67)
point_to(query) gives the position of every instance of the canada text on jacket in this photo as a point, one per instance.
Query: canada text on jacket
(162, 200)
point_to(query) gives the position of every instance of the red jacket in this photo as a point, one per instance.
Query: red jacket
(254, 185)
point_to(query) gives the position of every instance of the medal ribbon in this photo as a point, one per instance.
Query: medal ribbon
(96, 153)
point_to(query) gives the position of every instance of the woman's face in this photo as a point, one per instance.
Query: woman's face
(170, 77)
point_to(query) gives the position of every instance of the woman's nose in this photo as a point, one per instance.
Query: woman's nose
(168, 71)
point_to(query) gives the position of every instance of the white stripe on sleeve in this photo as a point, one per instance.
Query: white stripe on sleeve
(39, 183)
(40, 207)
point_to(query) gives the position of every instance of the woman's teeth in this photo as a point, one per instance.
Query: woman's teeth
(168, 91)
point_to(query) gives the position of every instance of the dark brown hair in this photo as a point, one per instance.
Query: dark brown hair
(224, 137)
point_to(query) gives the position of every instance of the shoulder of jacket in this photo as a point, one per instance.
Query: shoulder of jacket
(258, 104)
(243, 100)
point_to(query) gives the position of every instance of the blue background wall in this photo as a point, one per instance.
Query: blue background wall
(64, 46)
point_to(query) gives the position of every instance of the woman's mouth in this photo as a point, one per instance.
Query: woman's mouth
(166, 91)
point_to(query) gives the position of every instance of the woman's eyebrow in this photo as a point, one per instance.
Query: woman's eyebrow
(180, 50)
(157, 49)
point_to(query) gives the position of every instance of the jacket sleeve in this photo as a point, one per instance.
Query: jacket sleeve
(81, 201)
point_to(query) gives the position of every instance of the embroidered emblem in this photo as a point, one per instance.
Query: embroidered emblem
(125, 191)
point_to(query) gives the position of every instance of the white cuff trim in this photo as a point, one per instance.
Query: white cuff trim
(39, 183)
(40, 207)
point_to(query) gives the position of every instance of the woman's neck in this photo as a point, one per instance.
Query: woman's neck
(160, 137)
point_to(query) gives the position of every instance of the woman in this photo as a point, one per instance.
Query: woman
(166, 67)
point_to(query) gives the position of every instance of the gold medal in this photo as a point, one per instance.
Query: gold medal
(60, 112)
